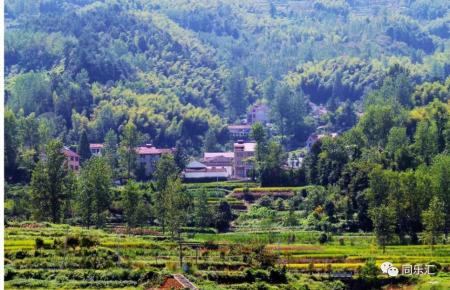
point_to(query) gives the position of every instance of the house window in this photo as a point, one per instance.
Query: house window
(76, 167)
(71, 158)
(71, 167)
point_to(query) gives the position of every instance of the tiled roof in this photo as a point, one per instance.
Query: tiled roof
(68, 152)
(239, 127)
(195, 164)
(145, 150)
(95, 146)
(218, 154)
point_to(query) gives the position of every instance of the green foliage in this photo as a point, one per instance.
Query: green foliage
(30, 92)
(49, 184)
(83, 148)
(383, 219)
(177, 204)
(223, 216)
(165, 172)
(202, 212)
(127, 149)
(426, 138)
(131, 198)
(369, 271)
(434, 220)
(94, 193)
(109, 150)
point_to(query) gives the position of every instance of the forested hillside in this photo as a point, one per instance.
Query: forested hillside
(182, 70)
(246, 144)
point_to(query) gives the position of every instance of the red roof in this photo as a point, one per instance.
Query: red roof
(95, 146)
(69, 153)
(236, 127)
(218, 154)
(145, 150)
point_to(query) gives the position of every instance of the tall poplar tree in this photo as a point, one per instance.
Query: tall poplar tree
(83, 148)
(94, 198)
(127, 150)
(49, 183)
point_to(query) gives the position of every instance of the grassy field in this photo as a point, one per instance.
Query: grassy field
(217, 261)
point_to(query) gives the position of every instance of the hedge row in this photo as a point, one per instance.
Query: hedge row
(84, 275)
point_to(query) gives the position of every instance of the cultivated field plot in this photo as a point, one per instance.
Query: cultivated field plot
(59, 256)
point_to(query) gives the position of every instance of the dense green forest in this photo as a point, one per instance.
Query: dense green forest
(175, 73)
(181, 71)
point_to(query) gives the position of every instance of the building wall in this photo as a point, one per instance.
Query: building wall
(149, 161)
(96, 151)
(241, 168)
(73, 163)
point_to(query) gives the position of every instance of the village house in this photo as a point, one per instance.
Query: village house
(317, 111)
(96, 149)
(148, 155)
(294, 160)
(199, 172)
(258, 113)
(243, 152)
(219, 160)
(240, 131)
(72, 159)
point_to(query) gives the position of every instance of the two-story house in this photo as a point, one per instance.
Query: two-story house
(243, 153)
(96, 149)
(240, 132)
(72, 159)
(148, 155)
(219, 160)
(258, 113)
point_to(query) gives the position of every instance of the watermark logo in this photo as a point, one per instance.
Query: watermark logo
(388, 268)
(407, 269)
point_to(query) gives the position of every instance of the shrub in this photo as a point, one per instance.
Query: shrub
(265, 258)
(211, 245)
(291, 238)
(21, 254)
(9, 273)
(72, 241)
(341, 241)
(436, 266)
(323, 238)
(39, 243)
(227, 277)
(57, 244)
(277, 276)
(336, 285)
(369, 271)
(88, 242)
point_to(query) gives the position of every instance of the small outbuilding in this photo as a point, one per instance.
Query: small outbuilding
(177, 281)
(199, 172)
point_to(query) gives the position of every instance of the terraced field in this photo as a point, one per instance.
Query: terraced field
(75, 258)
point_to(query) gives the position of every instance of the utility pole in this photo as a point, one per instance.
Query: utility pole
(181, 255)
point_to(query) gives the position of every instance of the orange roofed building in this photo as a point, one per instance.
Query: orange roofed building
(177, 281)
(73, 159)
(96, 149)
(148, 156)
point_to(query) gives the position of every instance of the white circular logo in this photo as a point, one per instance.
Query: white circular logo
(385, 267)
(392, 271)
